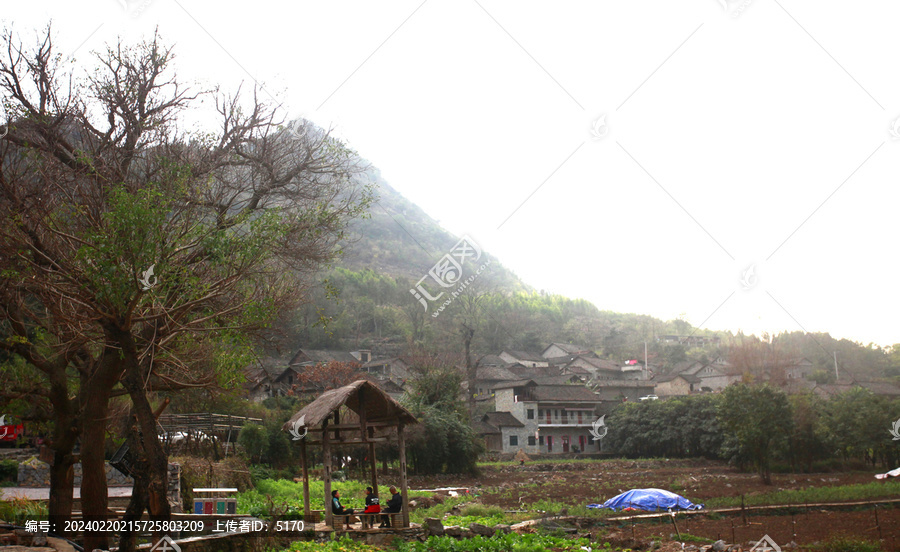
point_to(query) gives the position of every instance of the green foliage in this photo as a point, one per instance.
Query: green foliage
(442, 441)
(510, 542)
(850, 544)
(281, 494)
(856, 424)
(19, 510)
(757, 420)
(344, 544)
(680, 427)
(255, 440)
(9, 470)
(840, 493)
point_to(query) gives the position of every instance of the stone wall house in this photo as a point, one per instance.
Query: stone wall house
(525, 358)
(555, 418)
(617, 391)
(565, 349)
(676, 385)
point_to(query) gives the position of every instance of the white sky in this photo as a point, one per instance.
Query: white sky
(752, 134)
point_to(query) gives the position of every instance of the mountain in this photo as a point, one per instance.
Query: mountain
(400, 240)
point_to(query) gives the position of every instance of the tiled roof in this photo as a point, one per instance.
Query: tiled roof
(526, 355)
(316, 356)
(570, 348)
(502, 419)
(484, 428)
(600, 363)
(514, 383)
(686, 377)
(534, 371)
(564, 393)
(495, 373)
(635, 384)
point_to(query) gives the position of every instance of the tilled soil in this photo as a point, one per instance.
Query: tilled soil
(581, 483)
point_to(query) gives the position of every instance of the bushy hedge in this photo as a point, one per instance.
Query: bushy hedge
(754, 425)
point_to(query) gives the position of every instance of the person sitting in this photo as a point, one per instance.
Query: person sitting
(336, 507)
(372, 505)
(394, 505)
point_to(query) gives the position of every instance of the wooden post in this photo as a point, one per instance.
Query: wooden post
(677, 532)
(401, 442)
(306, 513)
(363, 430)
(326, 472)
(373, 466)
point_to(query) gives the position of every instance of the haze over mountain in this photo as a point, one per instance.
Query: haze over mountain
(388, 252)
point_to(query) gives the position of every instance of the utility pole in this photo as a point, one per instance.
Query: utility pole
(836, 375)
(646, 366)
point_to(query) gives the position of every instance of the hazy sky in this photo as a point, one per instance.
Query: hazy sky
(738, 135)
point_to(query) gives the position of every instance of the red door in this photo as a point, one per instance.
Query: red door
(565, 440)
(581, 442)
(548, 417)
(549, 443)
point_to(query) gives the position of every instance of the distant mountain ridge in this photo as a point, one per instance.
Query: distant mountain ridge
(401, 240)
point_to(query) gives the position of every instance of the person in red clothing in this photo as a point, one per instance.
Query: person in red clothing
(372, 505)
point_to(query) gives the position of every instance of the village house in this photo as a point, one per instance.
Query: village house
(556, 350)
(618, 391)
(555, 418)
(676, 384)
(258, 385)
(525, 358)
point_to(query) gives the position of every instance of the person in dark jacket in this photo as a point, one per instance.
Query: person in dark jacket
(394, 505)
(336, 507)
(372, 505)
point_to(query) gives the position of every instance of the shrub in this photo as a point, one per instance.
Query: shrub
(848, 544)
(9, 470)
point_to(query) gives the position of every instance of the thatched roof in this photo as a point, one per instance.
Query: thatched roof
(380, 407)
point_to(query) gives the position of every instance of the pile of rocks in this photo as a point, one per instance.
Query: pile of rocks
(19, 540)
(432, 527)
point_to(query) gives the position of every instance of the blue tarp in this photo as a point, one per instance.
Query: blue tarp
(648, 499)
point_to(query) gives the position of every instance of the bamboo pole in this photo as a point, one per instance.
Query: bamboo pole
(401, 439)
(306, 512)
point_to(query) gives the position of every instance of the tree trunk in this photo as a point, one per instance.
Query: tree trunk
(62, 485)
(62, 473)
(94, 497)
(156, 460)
(471, 369)
(127, 542)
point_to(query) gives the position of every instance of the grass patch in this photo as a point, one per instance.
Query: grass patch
(848, 544)
(511, 542)
(842, 493)
(19, 510)
(344, 544)
(288, 495)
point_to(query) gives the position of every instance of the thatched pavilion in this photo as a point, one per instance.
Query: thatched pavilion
(370, 417)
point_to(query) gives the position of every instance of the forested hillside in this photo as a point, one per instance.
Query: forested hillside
(365, 302)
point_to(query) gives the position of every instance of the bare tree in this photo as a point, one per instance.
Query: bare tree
(136, 257)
